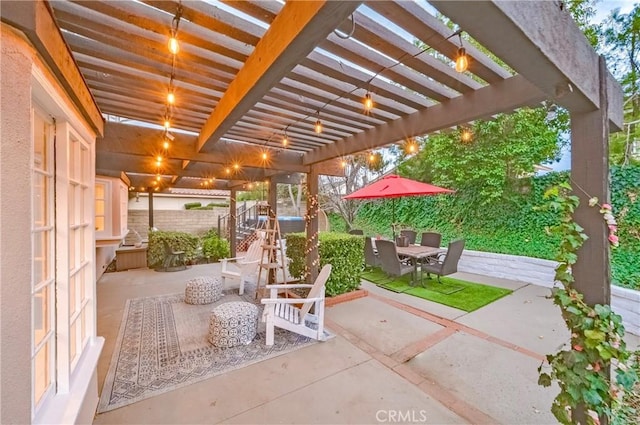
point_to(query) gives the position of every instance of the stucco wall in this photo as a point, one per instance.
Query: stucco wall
(15, 229)
(624, 302)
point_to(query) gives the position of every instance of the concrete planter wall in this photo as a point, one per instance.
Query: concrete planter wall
(625, 302)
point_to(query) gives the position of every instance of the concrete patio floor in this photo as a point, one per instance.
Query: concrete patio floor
(395, 359)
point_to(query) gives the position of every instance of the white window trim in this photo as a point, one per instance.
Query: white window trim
(73, 390)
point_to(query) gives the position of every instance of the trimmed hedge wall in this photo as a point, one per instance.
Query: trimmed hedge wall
(343, 251)
(179, 241)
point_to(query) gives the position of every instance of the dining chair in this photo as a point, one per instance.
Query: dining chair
(447, 263)
(371, 257)
(431, 239)
(389, 260)
(410, 235)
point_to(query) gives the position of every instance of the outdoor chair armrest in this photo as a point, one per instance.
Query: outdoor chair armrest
(290, 300)
(286, 286)
(224, 260)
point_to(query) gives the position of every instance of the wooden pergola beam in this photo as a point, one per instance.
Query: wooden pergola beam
(540, 41)
(297, 29)
(35, 20)
(499, 97)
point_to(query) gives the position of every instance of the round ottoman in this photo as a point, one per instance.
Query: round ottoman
(203, 290)
(233, 323)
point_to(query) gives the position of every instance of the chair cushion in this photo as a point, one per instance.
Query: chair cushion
(233, 323)
(203, 290)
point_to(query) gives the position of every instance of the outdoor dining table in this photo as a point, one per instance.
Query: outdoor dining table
(418, 253)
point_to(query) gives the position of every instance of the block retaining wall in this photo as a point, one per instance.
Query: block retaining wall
(625, 302)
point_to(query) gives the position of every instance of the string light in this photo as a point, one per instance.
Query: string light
(159, 158)
(343, 163)
(165, 145)
(368, 102)
(372, 157)
(236, 166)
(167, 124)
(318, 126)
(285, 140)
(462, 61)
(171, 97)
(410, 147)
(265, 156)
(466, 135)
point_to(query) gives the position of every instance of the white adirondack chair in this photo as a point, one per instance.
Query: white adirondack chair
(280, 312)
(246, 266)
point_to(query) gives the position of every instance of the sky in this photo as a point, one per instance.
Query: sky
(605, 6)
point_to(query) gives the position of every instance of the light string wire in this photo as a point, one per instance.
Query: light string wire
(367, 84)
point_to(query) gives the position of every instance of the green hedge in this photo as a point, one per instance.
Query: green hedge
(192, 205)
(179, 241)
(514, 225)
(214, 247)
(343, 251)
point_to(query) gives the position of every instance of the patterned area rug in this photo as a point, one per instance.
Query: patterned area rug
(162, 345)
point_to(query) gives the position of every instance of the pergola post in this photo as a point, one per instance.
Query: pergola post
(312, 254)
(590, 177)
(232, 222)
(272, 196)
(150, 191)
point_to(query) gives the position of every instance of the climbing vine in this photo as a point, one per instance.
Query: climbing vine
(582, 371)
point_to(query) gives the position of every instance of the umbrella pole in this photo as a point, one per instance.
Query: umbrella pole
(393, 217)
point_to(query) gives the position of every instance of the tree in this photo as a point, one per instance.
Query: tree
(621, 46)
(357, 174)
(490, 164)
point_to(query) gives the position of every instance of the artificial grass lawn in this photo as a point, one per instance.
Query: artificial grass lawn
(460, 294)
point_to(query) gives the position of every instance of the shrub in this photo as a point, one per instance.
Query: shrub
(345, 252)
(214, 247)
(192, 205)
(218, 205)
(179, 241)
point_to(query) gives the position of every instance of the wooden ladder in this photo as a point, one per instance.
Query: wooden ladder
(271, 249)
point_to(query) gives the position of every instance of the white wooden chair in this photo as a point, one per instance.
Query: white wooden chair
(246, 267)
(281, 312)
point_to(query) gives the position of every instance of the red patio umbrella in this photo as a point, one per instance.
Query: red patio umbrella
(393, 186)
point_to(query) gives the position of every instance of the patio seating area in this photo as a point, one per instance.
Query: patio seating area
(393, 354)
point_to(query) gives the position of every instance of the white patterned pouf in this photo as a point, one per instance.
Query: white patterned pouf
(233, 323)
(203, 290)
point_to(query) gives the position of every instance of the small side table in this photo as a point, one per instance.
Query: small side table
(131, 257)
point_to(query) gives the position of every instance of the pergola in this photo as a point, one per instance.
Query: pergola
(251, 72)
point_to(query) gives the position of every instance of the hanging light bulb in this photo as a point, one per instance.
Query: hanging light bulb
(158, 177)
(318, 126)
(227, 170)
(159, 158)
(368, 102)
(462, 61)
(167, 124)
(171, 97)
(174, 46)
(265, 156)
(285, 140)
(372, 157)
(343, 163)
(165, 145)
(466, 135)
(236, 166)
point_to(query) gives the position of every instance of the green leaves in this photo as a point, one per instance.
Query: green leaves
(596, 332)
